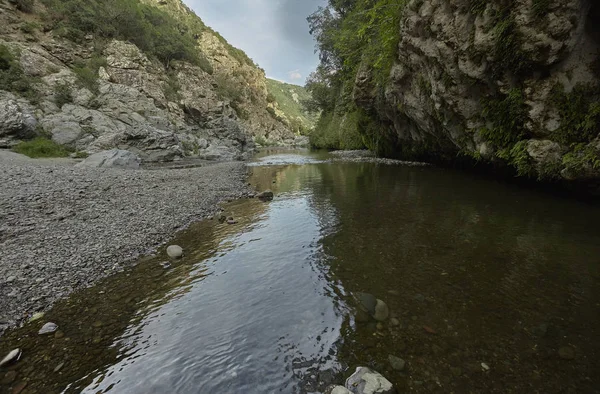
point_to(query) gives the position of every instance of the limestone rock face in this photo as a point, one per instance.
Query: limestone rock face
(453, 63)
(113, 158)
(137, 103)
(16, 117)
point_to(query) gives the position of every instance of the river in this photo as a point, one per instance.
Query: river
(491, 287)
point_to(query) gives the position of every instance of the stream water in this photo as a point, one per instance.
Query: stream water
(491, 287)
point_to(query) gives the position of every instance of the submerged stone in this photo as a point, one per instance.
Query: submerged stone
(566, 353)
(48, 328)
(397, 363)
(382, 312)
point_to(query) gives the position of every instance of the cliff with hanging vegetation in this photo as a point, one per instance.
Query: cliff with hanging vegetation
(513, 84)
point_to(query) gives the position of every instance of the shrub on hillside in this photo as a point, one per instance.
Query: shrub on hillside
(24, 5)
(152, 30)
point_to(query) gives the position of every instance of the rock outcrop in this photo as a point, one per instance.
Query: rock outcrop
(132, 101)
(512, 82)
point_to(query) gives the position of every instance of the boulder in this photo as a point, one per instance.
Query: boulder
(16, 119)
(337, 390)
(376, 308)
(114, 158)
(366, 381)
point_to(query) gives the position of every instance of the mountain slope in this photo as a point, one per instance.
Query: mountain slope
(148, 76)
(290, 99)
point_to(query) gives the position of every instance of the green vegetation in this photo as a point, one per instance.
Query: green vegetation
(581, 158)
(155, 32)
(508, 116)
(289, 99)
(29, 27)
(62, 94)
(579, 111)
(351, 35)
(87, 72)
(541, 7)
(337, 131)
(24, 5)
(12, 77)
(41, 147)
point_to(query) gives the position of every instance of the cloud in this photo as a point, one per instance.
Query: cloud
(274, 33)
(295, 75)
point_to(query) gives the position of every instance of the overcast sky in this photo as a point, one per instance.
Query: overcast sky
(274, 33)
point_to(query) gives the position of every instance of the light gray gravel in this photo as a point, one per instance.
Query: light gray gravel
(63, 228)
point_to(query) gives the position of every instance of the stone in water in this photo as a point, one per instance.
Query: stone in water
(48, 328)
(10, 357)
(175, 251)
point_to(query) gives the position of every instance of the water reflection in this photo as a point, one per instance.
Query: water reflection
(475, 273)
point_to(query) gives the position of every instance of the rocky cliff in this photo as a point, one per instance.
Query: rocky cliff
(98, 90)
(509, 82)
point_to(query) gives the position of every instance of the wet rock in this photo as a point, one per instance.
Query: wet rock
(36, 316)
(367, 302)
(59, 367)
(59, 334)
(380, 327)
(456, 371)
(366, 381)
(419, 298)
(397, 363)
(48, 328)
(429, 330)
(485, 367)
(566, 353)
(382, 312)
(267, 195)
(394, 321)
(337, 390)
(114, 158)
(18, 389)
(9, 377)
(362, 316)
(175, 251)
(12, 356)
(165, 264)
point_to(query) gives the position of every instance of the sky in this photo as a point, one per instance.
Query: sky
(274, 33)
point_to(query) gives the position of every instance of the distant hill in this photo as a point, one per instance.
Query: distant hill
(289, 101)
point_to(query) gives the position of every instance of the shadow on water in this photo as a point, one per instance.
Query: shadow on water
(491, 289)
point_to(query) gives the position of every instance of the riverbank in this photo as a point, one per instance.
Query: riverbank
(64, 228)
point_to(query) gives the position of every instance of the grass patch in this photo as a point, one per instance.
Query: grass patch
(41, 147)
(12, 77)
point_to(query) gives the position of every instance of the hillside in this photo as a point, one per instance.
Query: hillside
(512, 84)
(289, 99)
(148, 76)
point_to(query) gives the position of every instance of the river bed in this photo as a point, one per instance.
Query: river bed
(491, 288)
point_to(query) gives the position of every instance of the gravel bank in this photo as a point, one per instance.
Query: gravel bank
(62, 228)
